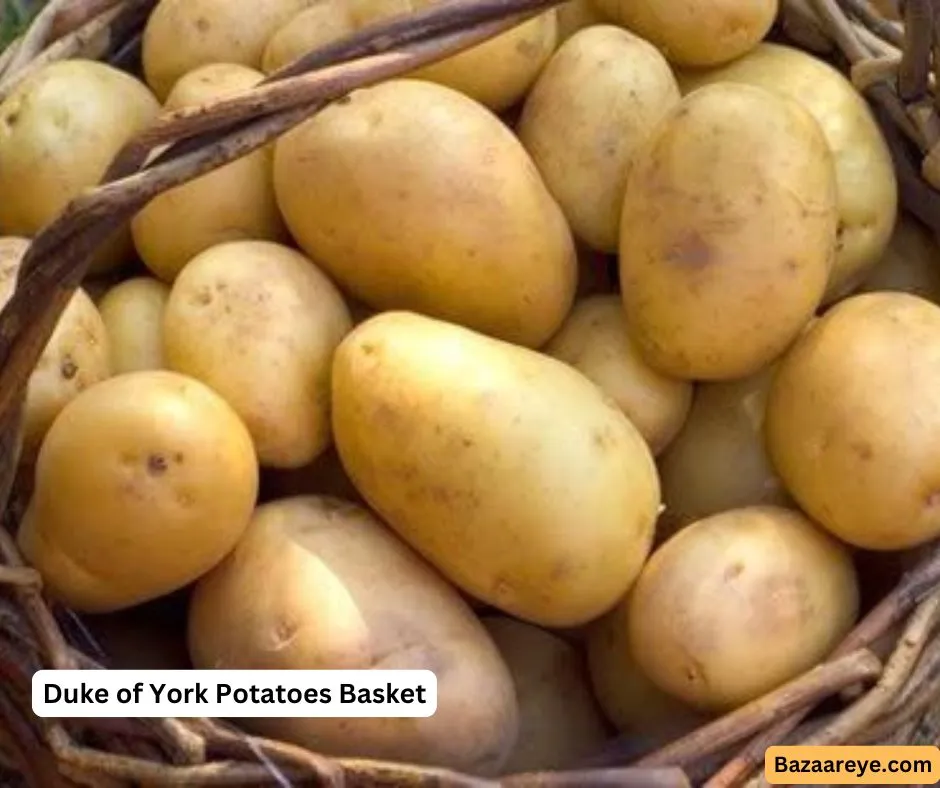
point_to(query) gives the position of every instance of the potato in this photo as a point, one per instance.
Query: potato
(628, 698)
(695, 32)
(737, 604)
(592, 108)
(132, 312)
(282, 319)
(460, 226)
(144, 482)
(728, 232)
(507, 469)
(59, 130)
(76, 357)
(182, 35)
(301, 591)
(867, 185)
(235, 202)
(910, 264)
(853, 423)
(594, 340)
(560, 723)
(575, 15)
(719, 461)
(321, 24)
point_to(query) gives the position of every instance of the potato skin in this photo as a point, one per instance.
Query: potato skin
(460, 225)
(738, 604)
(728, 232)
(301, 591)
(321, 24)
(170, 489)
(591, 109)
(695, 32)
(132, 312)
(910, 264)
(594, 340)
(285, 317)
(457, 440)
(867, 184)
(853, 422)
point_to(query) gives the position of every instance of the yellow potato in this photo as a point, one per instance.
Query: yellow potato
(695, 32)
(718, 461)
(560, 724)
(59, 130)
(144, 482)
(728, 232)
(853, 421)
(76, 357)
(507, 469)
(910, 264)
(258, 322)
(737, 604)
(320, 584)
(592, 108)
(182, 35)
(867, 185)
(235, 202)
(321, 24)
(575, 15)
(595, 341)
(132, 312)
(425, 201)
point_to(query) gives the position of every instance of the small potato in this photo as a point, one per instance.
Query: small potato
(575, 15)
(853, 421)
(867, 185)
(507, 469)
(592, 108)
(560, 723)
(424, 201)
(910, 264)
(324, 22)
(718, 461)
(695, 32)
(132, 312)
(737, 604)
(235, 202)
(320, 584)
(258, 322)
(728, 232)
(182, 35)
(144, 482)
(595, 341)
(59, 130)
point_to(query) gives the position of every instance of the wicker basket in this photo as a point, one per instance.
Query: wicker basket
(880, 685)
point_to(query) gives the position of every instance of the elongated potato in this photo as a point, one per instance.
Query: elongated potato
(320, 584)
(593, 106)
(507, 469)
(728, 232)
(132, 312)
(425, 201)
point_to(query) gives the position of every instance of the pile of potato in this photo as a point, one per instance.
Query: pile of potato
(370, 397)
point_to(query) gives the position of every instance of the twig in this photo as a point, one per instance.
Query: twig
(77, 14)
(918, 42)
(601, 778)
(840, 29)
(34, 40)
(881, 27)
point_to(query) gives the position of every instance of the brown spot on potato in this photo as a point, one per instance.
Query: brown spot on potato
(690, 251)
(735, 570)
(604, 438)
(203, 25)
(68, 368)
(156, 465)
(863, 450)
(933, 499)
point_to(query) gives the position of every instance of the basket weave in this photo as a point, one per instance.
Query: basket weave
(884, 679)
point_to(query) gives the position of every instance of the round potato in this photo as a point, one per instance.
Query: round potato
(595, 341)
(302, 591)
(132, 312)
(853, 423)
(737, 604)
(560, 723)
(76, 357)
(718, 461)
(232, 203)
(592, 108)
(321, 24)
(695, 32)
(285, 318)
(182, 35)
(575, 15)
(59, 130)
(728, 232)
(509, 470)
(143, 483)
(910, 264)
(460, 226)
(866, 181)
